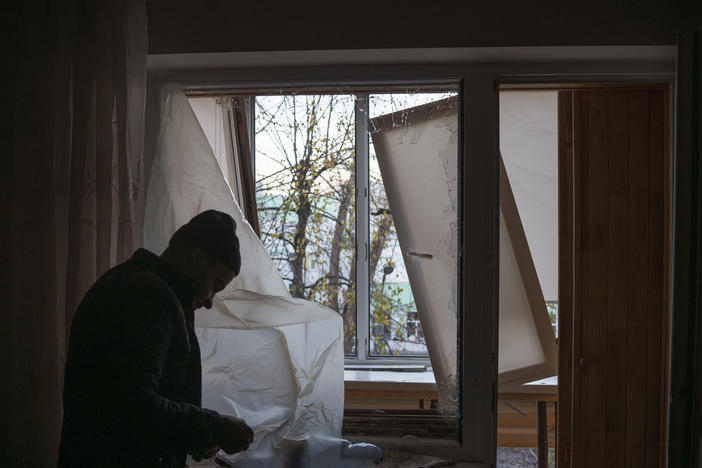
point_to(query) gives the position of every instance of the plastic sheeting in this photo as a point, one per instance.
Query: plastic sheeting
(273, 360)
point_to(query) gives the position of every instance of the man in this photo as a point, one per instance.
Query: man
(133, 387)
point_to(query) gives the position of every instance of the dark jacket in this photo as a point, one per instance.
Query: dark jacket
(132, 390)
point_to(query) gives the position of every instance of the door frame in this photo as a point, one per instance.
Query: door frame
(568, 340)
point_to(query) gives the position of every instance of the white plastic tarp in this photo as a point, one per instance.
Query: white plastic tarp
(273, 360)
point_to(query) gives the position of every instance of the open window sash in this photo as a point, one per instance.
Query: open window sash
(416, 150)
(223, 119)
(239, 153)
(417, 153)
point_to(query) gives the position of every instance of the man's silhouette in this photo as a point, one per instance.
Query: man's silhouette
(133, 387)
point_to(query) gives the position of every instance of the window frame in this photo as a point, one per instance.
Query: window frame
(362, 230)
(479, 151)
(361, 98)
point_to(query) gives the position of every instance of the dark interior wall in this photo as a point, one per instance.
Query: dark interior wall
(263, 25)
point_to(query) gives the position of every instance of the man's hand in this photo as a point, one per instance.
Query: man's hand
(209, 452)
(232, 434)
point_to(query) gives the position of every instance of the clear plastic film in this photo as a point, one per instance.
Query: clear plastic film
(273, 360)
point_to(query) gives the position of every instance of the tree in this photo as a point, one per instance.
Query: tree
(305, 197)
(387, 310)
(305, 166)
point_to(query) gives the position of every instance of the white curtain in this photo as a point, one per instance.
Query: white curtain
(71, 195)
(273, 360)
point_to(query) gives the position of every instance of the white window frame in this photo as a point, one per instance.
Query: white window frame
(479, 71)
(361, 228)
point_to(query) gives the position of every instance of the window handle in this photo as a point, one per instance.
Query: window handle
(421, 254)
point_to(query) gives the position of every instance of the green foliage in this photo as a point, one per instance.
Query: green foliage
(552, 309)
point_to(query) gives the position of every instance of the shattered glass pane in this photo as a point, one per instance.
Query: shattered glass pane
(414, 231)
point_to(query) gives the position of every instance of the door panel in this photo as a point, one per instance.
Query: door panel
(618, 275)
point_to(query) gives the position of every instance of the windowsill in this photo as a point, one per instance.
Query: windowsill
(398, 389)
(411, 377)
(385, 366)
(386, 403)
(543, 383)
(390, 379)
(538, 390)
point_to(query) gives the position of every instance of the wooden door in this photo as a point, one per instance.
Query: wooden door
(614, 171)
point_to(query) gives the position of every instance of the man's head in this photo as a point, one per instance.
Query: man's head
(206, 249)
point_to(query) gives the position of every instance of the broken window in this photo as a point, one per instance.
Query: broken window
(356, 198)
(412, 188)
(313, 158)
(414, 164)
